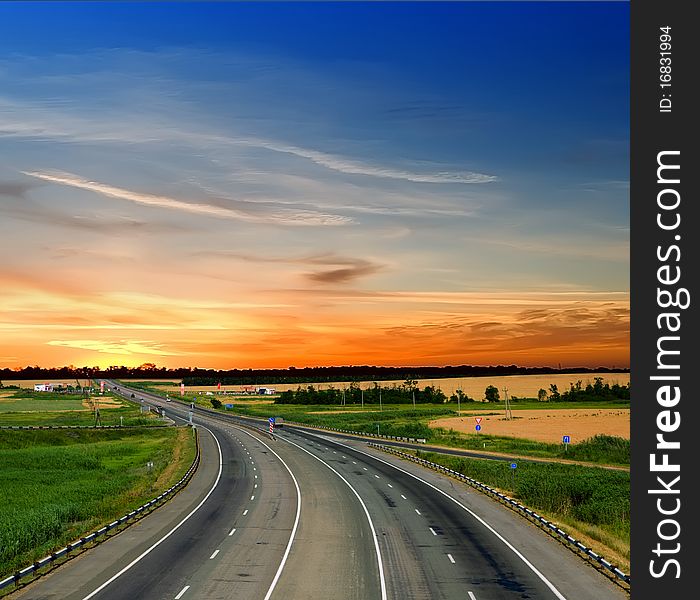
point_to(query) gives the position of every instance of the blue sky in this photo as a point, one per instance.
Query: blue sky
(406, 166)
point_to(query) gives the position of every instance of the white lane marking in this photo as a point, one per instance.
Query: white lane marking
(173, 530)
(214, 555)
(471, 596)
(252, 497)
(391, 486)
(256, 477)
(417, 511)
(232, 532)
(404, 497)
(353, 462)
(382, 582)
(452, 560)
(256, 485)
(245, 512)
(432, 531)
(296, 518)
(365, 468)
(532, 567)
(377, 476)
(182, 592)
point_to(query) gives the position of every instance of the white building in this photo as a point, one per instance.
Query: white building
(43, 387)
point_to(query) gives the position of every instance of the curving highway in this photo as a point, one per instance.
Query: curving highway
(304, 515)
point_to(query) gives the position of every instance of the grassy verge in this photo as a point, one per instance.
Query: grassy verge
(591, 503)
(58, 485)
(408, 421)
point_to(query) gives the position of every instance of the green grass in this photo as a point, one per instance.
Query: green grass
(406, 421)
(45, 401)
(56, 485)
(591, 500)
(26, 407)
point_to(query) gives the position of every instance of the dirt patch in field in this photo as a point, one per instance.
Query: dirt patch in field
(103, 402)
(545, 425)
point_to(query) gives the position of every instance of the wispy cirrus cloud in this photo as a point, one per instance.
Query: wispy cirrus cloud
(344, 165)
(122, 347)
(279, 217)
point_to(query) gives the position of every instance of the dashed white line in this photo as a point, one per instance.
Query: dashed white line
(404, 497)
(173, 530)
(182, 592)
(214, 554)
(252, 497)
(365, 468)
(432, 531)
(256, 485)
(245, 512)
(515, 551)
(377, 476)
(391, 486)
(232, 532)
(417, 511)
(471, 596)
(452, 560)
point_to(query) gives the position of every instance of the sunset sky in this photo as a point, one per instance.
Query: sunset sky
(264, 185)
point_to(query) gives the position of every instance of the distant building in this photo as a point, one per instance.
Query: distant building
(265, 391)
(43, 387)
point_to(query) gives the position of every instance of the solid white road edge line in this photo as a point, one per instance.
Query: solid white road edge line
(296, 518)
(182, 592)
(214, 554)
(382, 582)
(471, 596)
(173, 530)
(532, 567)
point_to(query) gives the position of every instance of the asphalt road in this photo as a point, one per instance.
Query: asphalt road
(306, 516)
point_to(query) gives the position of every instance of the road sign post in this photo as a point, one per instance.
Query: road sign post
(513, 466)
(567, 440)
(478, 423)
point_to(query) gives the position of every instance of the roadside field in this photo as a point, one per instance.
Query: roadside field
(545, 425)
(56, 485)
(26, 407)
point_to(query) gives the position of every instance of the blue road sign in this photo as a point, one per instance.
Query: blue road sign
(513, 465)
(271, 419)
(478, 427)
(567, 439)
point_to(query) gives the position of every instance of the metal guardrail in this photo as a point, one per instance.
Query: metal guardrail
(548, 525)
(397, 438)
(93, 537)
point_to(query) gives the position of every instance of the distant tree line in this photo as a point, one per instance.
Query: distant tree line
(595, 391)
(406, 393)
(292, 375)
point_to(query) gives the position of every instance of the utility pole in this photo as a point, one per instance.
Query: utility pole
(380, 399)
(362, 398)
(509, 412)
